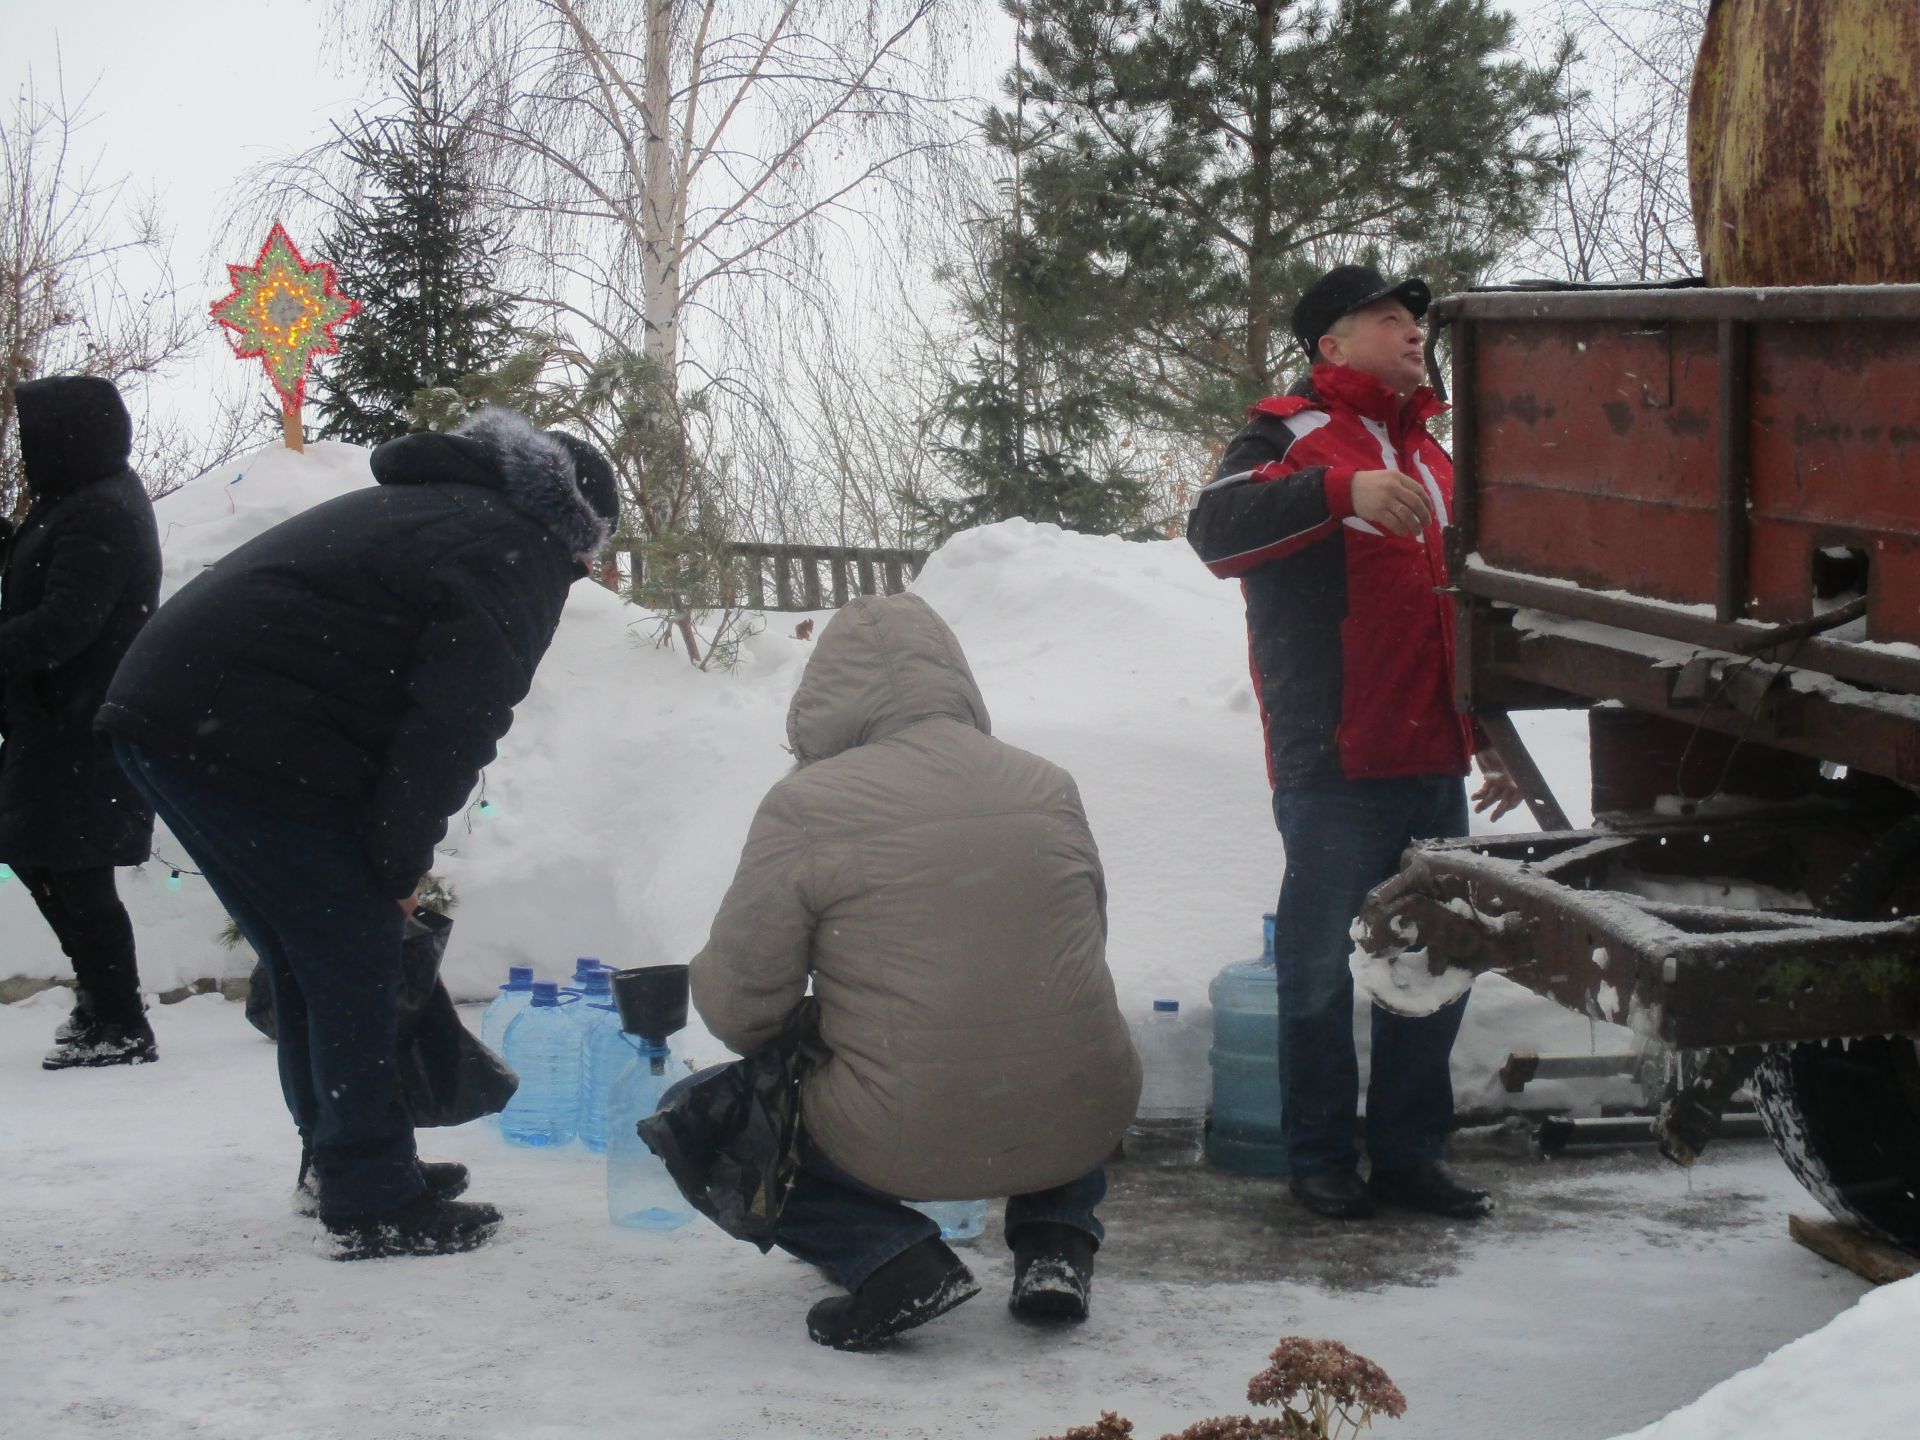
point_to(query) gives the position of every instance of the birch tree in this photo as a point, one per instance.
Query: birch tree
(1622, 210)
(74, 247)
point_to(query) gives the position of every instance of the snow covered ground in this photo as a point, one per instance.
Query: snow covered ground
(157, 1285)
(154, 1284)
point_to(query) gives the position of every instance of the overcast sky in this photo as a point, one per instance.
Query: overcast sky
(186, 95)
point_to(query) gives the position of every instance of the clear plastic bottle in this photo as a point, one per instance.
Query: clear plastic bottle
(957, 1219)
(603, 1055)
(514, 997)
(640, 1193)
(1245, 1134)
(543, 1047)
(1170, 1123)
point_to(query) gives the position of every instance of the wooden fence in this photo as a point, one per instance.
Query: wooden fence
(801, 577)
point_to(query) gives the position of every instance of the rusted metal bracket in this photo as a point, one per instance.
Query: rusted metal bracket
(1514, 754)
(1557, 914)
(1691, 1118)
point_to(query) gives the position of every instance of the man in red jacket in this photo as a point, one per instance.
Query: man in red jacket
(1328, 507)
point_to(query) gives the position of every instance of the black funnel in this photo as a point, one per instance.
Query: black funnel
(652, 1000)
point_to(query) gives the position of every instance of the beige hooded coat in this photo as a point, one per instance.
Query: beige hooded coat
(943, 893)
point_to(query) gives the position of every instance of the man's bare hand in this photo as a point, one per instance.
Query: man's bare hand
(1396, 503)
(409, 905)
(1499, 791)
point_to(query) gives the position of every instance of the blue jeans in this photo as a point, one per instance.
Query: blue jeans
(308, 903)
(1342, 838)
(850, 1229)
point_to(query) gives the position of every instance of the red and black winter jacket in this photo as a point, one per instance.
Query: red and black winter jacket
(1350, 629)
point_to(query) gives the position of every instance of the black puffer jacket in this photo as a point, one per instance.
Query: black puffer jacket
(82, 577)
(354, 667)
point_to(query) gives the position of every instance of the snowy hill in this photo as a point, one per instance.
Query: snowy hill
(615, 812)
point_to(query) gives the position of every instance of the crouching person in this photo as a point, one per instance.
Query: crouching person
(942, 893)
(307, 713)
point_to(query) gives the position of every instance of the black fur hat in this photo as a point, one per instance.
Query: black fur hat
(74, 429)
(595, 477)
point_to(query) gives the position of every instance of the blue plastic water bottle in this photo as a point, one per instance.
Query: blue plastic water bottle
(640, 1193)
(592, 990)
(958, 1219)
(514, 997)
(543, 1047)
(603, 1055)
(1245, 1136)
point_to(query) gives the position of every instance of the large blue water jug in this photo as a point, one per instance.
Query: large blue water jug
(543, 1047)
(1245, 1136)
(514, 997)
(640, 1193)
(957, 1219)
(604, 1054)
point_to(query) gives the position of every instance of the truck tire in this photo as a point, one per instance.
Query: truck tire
(1845, 1116)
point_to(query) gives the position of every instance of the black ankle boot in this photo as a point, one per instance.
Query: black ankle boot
(101, 1044)
(425, 1225)
(1333, 1192)
(1432, 1189)
(1052, 1272)
(921, 1282)
(446, 1178)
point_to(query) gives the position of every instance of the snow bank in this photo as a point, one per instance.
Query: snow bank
(621, 796)
(1852, 1378)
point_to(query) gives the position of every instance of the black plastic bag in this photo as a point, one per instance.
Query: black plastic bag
(447, 1077)
(731, 1140)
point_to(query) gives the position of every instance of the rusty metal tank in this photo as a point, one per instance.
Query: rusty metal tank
(1804, 142)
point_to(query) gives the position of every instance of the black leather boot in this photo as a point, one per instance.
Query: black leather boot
(446, 1178)
(1052, 1272)
(99, 1044)
(1432, 1189)
(425, 1225)
(921, 1282)
(1336, 1193)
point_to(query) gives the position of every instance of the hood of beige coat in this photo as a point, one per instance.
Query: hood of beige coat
(883, 663)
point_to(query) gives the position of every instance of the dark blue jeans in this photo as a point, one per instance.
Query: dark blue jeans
(1342, 838)
(308, 903)
(850, 1230)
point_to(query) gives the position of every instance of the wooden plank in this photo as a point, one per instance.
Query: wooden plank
(1867, 1257)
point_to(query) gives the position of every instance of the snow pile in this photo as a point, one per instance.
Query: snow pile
(616, 810)
(1853, 1378)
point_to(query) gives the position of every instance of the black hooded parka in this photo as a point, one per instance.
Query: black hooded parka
(82, 576)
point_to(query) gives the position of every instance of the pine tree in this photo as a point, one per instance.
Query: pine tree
(1189, 166)
(418, 254)
(1025, 430)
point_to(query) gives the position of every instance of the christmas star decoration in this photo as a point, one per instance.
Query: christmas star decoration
(284, 311)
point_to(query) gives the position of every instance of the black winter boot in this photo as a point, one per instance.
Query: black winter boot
(921, 1282)
(425, 1225)
(445, 1178)
(1052, 1272)
(99, 1044)
(1431, 1188)
(1335, 1192)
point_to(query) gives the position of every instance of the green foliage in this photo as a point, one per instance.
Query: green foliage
(1187, 166)
(1019, 450)
(418, 256)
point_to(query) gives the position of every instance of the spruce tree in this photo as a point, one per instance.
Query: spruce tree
(418, 253)
(1190, 165)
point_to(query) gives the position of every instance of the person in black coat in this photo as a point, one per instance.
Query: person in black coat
(82, 576)
(307, 713)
